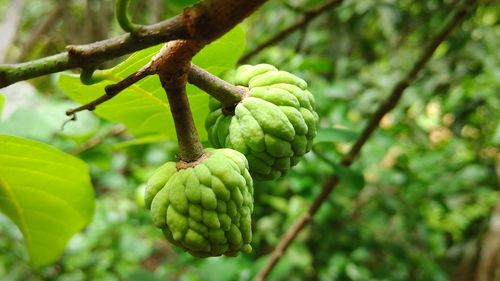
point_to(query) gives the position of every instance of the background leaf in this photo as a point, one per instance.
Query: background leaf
(335, 135)
(2, 101)
(46, 193)
(354, 179)
(143, 107)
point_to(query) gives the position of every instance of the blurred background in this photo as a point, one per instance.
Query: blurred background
(424, 206)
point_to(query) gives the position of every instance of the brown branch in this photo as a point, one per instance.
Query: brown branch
(173, 63)
(204, 21)
(347, 160)
(306, 18)
(226, 93)
(114, 89)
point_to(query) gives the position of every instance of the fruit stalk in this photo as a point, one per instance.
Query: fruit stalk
(173, 64)
(226, 93)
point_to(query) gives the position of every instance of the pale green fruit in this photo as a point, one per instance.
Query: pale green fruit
(204, 209)
(273, 126)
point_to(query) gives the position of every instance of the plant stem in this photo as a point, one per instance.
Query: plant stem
(190, 146)
(172, 65)
(112, 90)
(122, 16)
(303, 21)
(226, 93)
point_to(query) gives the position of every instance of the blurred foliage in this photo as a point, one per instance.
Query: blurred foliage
(426, 181)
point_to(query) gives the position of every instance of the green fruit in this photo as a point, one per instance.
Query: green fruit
(205, 208)
(273, 126)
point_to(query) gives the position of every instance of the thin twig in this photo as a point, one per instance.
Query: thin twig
(95, 141)
(113, 90)
(373, 123)
(226, 93)
(306, 18)
(121, 13)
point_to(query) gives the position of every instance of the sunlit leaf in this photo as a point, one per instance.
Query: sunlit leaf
(2, 101)
(46, 193)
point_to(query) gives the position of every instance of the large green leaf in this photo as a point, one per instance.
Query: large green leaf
(46, 193)
(143, 107)
(330, 135)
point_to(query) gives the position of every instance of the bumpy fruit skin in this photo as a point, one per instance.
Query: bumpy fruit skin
(204, 209)
(273, 126)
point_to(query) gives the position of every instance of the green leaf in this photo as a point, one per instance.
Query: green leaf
(140, 141)
(46, 193)
(143, 107)
(352, 178)
(2, 102)
(325, 135)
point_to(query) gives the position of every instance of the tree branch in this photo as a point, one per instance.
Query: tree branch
(93, 54)
(306, 18)
(114, 89)
(173, 63)
(96, 140)
(205, 21)
(373, 123)
(228, 94)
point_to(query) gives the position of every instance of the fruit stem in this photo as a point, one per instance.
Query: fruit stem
(187, 136)
(226, 93)
(173, 64)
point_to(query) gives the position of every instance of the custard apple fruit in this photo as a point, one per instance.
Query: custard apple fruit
(205, 208)
(274, 124)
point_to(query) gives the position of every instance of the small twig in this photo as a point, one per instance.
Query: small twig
(123, 19)
(114, 89)
(302, 39)
(306, 18)
(226, 93)
(373, 123)
(295, 9)
(72, 118)
(95, 141)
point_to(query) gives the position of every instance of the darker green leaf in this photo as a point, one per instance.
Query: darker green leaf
(325, 135)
